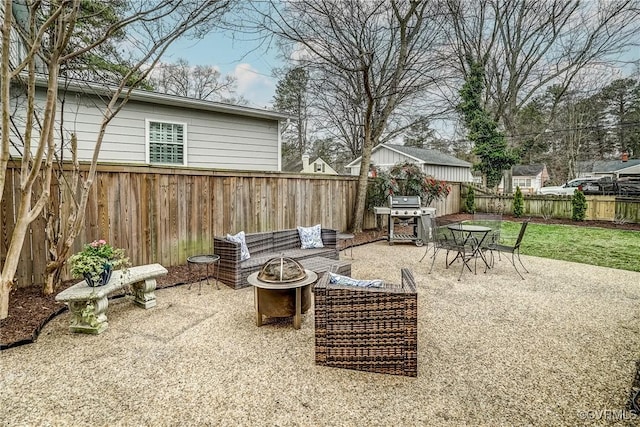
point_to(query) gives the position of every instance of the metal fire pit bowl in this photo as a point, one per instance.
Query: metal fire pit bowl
(277, 286)
(281, 270)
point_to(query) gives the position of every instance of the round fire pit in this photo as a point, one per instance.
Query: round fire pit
(282, 289)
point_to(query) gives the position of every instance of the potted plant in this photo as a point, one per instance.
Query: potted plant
(96, 262)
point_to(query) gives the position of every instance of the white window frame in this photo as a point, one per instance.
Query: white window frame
(518, 182)
(148, 142)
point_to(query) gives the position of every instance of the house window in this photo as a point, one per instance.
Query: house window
(166, 142)
(521, 182)
(319, 167)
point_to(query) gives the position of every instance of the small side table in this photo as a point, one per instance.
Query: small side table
(207, 260)
(346, 237)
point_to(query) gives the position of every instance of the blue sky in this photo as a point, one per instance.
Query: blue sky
(249, 62)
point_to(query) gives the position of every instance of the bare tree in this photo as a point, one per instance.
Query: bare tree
(199, 82)
(376, 54)
(45, 34)
(529, 45)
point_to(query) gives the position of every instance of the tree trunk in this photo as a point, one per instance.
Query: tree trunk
(5, 288)
(363, 182)
(52, 276)
(12, 258)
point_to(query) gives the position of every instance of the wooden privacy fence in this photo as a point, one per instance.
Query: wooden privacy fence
(602, 208)
(165, 215)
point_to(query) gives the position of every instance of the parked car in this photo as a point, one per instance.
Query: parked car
(568, 188)
(604, 185)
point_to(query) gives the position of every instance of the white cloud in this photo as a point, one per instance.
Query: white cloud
(257, 88)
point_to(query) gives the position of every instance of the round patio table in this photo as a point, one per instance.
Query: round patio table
(471, 231)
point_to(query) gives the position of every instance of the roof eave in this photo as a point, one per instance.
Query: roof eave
(169, 100)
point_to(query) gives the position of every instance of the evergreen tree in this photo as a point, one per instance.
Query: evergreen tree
(107, 62)
(518, 203)
(291, 97)
(578, 206)
(419, 133)
(470, 201)
(621, 101)
(490, 144)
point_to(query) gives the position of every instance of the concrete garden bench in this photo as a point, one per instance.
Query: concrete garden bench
(88, 305)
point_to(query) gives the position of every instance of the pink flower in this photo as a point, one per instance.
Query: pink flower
(102, 242)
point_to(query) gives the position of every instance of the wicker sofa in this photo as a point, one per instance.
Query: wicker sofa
(368, 329)
(264, 246)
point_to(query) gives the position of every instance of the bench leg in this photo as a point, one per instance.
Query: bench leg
(89, 317)
(144, 293)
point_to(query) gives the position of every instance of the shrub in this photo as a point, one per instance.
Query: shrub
(518, 203)
(406, 179)
(470, 201)
(379, 190)
(95, 257)
(578, 205)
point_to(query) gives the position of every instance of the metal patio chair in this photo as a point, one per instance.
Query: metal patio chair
(515, 249)
(442, 238)
(493, 221)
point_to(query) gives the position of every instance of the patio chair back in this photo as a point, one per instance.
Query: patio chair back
(523, 228)
(437, 237)
(493, 221)
(515, 248)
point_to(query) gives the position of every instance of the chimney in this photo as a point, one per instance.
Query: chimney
(625, 156)
(305, 162)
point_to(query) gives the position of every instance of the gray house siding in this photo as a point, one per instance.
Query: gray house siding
(387, 158)
(215, 140)
(384, 158)
(448, 173)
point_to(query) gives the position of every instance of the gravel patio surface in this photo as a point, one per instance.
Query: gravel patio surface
(558, 348)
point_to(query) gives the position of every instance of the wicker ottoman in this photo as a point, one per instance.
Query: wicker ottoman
(368, 329)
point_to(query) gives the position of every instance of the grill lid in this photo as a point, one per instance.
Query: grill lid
(396, 202)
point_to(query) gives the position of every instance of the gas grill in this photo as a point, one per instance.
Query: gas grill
(407, 211)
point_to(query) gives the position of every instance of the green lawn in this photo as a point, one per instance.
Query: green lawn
(596, 246)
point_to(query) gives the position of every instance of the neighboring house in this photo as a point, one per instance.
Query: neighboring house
(305, 165)
(435, 163)
(612, 168)
(530, 178)
(161, 129)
